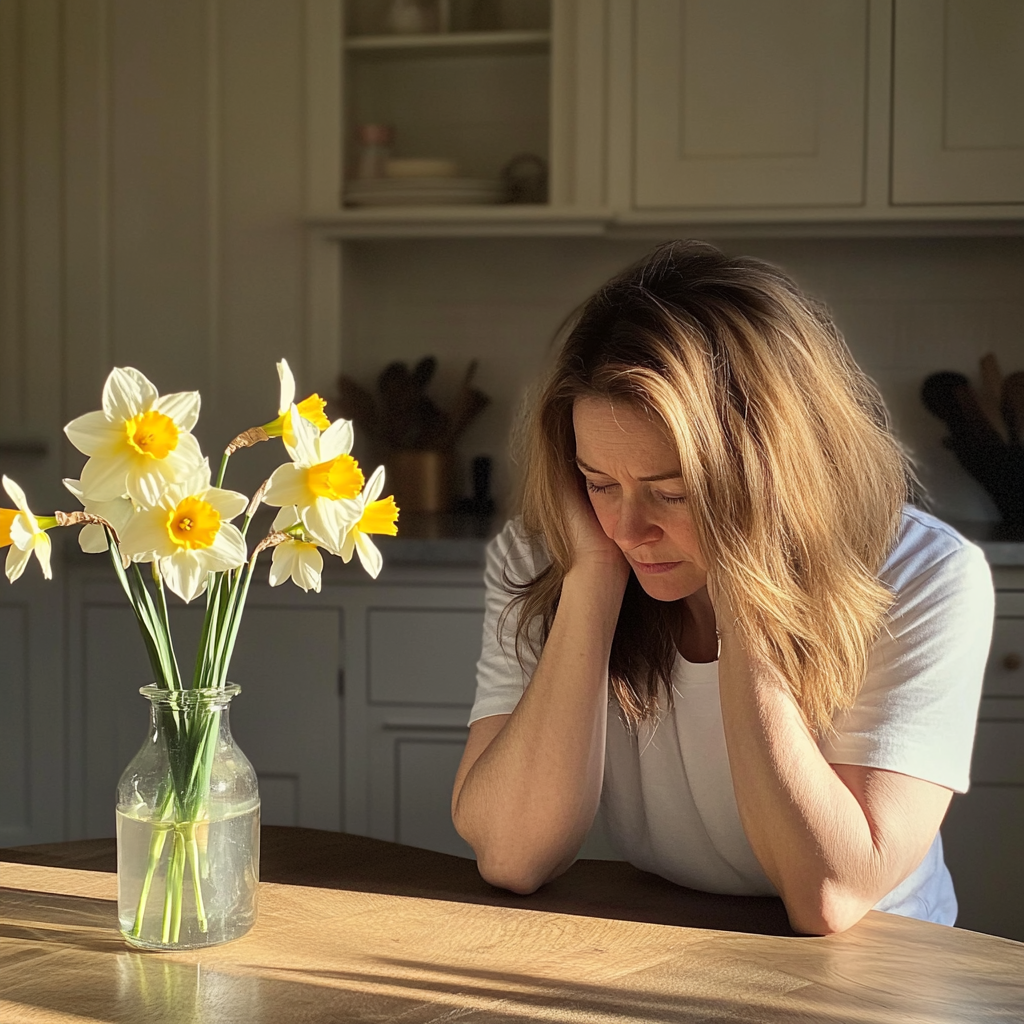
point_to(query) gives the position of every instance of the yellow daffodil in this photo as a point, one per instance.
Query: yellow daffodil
(92, 538)
(187, 533)
(310, 409)
(25, 533)
(321, 481)
(298, 559)
(374, 516)
(138, 443)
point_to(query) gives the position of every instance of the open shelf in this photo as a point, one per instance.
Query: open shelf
(452, 43)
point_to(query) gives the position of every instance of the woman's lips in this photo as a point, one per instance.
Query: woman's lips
(654, 568)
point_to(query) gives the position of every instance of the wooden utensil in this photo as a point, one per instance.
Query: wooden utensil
(990, 394)
(1013, 405)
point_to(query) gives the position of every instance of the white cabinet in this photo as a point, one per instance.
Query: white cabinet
(958, 102)
(32, 711)
(742, 103)
(410, 676)
(984, 831)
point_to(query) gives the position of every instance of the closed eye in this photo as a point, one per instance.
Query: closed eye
(672, 499)
(596, 489)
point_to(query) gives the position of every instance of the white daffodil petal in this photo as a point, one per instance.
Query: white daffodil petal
(146, 535)
(124, 394)
(228, 503)
(16, 494)
(288, 487)
(228, 548)
(147, 389)
(105, 479)
(23, 532)
(95, 435)
(286, 518)
(371, 492)
(182, 407)
(75, 487)
(92, 539)
(187, 458)
(306, 451)
(368, 554)
(287, 387)
(184, 574)
(42, 550)
(336, 440)
(16, 562)
(347, 546)
(325, 520)
(309, 570)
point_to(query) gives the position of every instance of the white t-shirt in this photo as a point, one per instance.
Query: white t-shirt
(667, 797)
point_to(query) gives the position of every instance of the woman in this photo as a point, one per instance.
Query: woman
(718, 616)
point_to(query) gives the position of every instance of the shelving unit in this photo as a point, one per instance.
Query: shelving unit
(478, 98)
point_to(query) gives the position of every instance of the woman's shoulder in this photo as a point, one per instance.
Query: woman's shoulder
(516, 555)
(929, 554)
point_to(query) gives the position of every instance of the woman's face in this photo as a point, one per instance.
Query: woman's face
(632, 471)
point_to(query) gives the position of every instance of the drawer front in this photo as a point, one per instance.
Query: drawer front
(424, 656)
(999, 753)
(1004, 674)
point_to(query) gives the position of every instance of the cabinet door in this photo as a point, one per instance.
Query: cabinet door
(984, 831)
(958, 102)
(742, 103)
(287, 719)
(32, 726)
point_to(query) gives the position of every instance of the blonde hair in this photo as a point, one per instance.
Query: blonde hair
(795, 482)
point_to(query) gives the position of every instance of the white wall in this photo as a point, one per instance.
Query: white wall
(907, 307)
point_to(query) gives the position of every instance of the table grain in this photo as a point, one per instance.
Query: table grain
(355, 929)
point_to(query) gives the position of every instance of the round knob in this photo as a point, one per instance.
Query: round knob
(1011, 662)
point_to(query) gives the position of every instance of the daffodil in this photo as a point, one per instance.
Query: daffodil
(138, 443)
(187, 533)
(297, 559)
(375, 516)
(310, 409)
(25, 533)
(321, 481)
(92, 538)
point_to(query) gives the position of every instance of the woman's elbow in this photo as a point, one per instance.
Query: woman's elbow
(826, 912)
(519, 877)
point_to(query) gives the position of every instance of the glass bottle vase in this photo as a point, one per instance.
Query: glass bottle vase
(188, 827)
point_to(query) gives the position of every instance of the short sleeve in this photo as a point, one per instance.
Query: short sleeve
(917, 711)
(500, 679)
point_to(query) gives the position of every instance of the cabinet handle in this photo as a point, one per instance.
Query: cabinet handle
(1011, 662)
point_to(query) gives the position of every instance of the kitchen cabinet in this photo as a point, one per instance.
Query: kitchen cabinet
(32, 711)
(839, 110)
(983, 833)
(742, 103)
(958, 102)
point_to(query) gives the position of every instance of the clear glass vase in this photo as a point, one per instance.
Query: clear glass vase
(188, 827)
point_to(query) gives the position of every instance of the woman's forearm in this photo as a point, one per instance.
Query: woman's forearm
(806, 827)
(527, 802)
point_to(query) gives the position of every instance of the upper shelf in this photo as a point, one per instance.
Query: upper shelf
(451, 43)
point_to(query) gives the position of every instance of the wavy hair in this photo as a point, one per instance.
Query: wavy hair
(795, 482)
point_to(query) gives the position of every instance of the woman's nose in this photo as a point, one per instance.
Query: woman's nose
(635, 526)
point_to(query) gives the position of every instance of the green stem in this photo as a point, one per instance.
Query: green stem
(223, 469)
(161, 597)
(156, 849)
(193, 850)
(235, 622)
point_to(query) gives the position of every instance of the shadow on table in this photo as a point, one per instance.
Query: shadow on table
(338, 860)
(62, 953)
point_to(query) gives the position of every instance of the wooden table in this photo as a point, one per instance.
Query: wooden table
(357, 929)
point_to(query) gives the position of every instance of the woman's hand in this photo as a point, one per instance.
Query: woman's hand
(592, 547)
